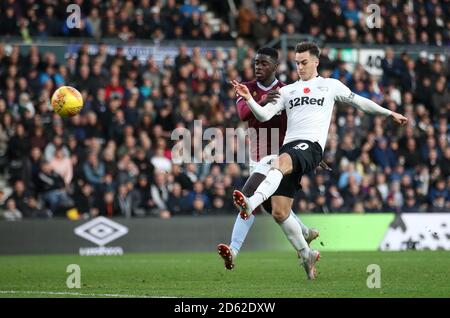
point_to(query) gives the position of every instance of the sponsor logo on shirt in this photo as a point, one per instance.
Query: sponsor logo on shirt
(305, 100)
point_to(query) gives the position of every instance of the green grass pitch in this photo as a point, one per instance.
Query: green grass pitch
(257, 274)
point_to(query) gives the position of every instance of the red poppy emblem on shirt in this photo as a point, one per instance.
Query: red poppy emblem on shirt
(306, 90)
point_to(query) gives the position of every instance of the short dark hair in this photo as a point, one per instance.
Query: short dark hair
(311, 47)
(273, 53)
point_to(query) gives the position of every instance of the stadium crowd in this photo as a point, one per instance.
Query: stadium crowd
(344, 21)
(114, 159)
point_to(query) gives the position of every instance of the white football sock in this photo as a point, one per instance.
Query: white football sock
(240, 231)
(305, 229)
(266, 188)
(293, 232)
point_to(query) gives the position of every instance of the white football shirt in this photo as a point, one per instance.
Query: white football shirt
(309, 107)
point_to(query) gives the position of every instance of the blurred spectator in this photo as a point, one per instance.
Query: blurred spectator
(160, 162)
(24, 201)
(38, 138)
(52, 188)
(261, 30)
(347, 149)
(320, 204)
(106, 205)
(18, 148)
(391, 68)
(439, 189)
(247, 16)
(180, 177)
(127, 169)
(411, 155)
(62, 165)
(144, 203)
(94, 170)
(439, 204)
(198, 206)
(352, 196)
(348, 173)
(410, 204)
(11, 212)
(123, 204)
(177, 203)
(440, 98)
(50, 149)
(383, 154)
(159, 193)
(198, 194)
(85, 201)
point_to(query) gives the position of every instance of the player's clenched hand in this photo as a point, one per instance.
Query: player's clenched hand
(271, 97)
(399, 119)
(241, 90)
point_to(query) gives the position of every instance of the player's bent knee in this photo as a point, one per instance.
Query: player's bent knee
(283, 163)
(280, 212)
(281, 208)
(277, 216)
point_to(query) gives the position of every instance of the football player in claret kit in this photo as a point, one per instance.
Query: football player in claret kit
(309, 106)
(263, 89)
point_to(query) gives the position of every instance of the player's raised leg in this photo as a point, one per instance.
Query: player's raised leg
(280, 167)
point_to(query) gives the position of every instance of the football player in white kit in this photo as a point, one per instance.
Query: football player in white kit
(309, 106)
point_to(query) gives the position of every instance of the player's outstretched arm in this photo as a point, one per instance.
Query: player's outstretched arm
(262, 114)
(399, 118)
(367, 105)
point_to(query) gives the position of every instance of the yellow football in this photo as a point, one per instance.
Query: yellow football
(67, 101)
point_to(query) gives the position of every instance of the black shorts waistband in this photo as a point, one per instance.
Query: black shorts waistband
(309, 142)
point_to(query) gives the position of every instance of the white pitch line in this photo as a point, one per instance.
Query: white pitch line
(32, 292)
